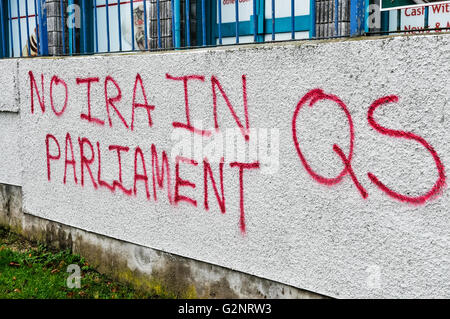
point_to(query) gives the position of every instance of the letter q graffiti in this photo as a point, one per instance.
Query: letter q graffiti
(74, 279)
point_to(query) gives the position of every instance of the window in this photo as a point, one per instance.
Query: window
(20, 32)
(284, 20)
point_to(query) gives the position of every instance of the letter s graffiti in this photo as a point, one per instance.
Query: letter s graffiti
(316, 95)
(440, 182)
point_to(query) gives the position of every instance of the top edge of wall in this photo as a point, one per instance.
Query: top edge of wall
(246, 46)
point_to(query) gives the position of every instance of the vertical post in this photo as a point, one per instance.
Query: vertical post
(119, 23)
(37, 26)
(236, 8)
(172, 8)
(366, 17)
(28, 28)
(336, 17)
(357, 15)
(145, 23)
(273, 20)
(158, 23)
(312, 13)
(43, 27)
(70, 5)
(203, 23)
(10, 28)
(20, 29)
(96, 26)
(177, 23)
(132, 25)
(74, 31)
(107, 26)
(84, 25)
(61, 8)
(188, 24)
(255, 22)
(2, 28)
(426, 17)
(293, 19)
(220, 21)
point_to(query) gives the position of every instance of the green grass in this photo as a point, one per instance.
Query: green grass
(31, 270)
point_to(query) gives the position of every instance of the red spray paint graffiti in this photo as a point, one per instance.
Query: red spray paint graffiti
(316, 95)
(440, 183)
(90, 158)
(312, 97)
(57, 81)
(89, 116)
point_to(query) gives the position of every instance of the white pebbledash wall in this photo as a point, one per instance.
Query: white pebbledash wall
(295, 211)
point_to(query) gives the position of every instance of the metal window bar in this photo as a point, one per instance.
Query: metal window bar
(84, 25)
(11, 28)
(70, 33)
(236, 6)
(74, 34)
(132, 24)
(2, 30)
(220, 22)
(28, 28)
(20, 28)
(96, 26)
(293, 19)
(203, 23)
(107, 26)
(158, 22)
(273, 20)
(43, 50)
(336, 17)
(63, 37)
(188, 23)
(119, 23)
(177, 22)
(146, 26)
(255, 22)
(172, 12)
(38, 36)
